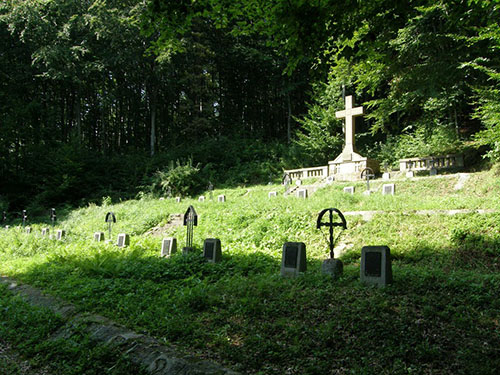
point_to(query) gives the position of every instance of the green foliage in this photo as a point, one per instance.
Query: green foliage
(179, 179)
(445, 269)
(43, 341)
(421, 142)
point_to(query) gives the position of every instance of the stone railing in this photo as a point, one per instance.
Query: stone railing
(438, 162)
(321, 172)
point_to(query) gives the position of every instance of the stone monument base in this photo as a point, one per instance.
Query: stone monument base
(350, 170)
(332, 267)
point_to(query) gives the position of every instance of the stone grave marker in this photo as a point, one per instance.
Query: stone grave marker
(409, 173)
(45, 231)
(349, 190)
(212, 250)
(168, 246)
(123, 240)
(272, 194)
(293, 259)
(221, 198)
(7, 227)
(99, 236)
(287, 180)
(201, 198)
(28, 230)
(190, 221)
(386, 176)
(388, 189)
(298, 182)
(432, 170)
(162, 199)
(110, 219)
(60, 234)
(178, 199)
(376, 267)
(302, 193)
(332, 266)
(330, 180)
(169, 192)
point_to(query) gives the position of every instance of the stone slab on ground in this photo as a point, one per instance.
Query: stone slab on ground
(142, 350)
(368, 215)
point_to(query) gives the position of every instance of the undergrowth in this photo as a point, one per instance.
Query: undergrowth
(440, 315)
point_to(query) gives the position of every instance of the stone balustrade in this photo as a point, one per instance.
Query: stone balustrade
(439, 162)
(321, 172)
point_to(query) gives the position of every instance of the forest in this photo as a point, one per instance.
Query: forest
(107, 98)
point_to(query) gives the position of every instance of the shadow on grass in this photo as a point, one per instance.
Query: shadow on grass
(242, 312)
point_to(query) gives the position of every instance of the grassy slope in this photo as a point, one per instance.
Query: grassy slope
(440, 316)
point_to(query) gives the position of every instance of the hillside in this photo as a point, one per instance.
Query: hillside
(440, 315)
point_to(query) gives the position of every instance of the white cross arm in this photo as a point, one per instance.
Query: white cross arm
(358, 111)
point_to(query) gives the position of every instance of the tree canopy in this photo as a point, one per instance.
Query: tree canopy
(85, 81)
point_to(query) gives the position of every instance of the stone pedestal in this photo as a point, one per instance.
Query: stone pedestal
(350, 170)
(332, 267)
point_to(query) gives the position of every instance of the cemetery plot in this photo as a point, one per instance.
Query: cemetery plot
(302, 193)
(60, 234)
(221, 198)
(123, 240)
(99, 236)
(168, 246)
(376, 266)
(388, 189)
(212, 250)
(349, 190)
(293, 258)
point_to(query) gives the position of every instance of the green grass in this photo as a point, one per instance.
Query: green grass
(34, 332)
(440, 316)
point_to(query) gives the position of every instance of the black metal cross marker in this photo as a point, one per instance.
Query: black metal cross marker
(25, 218)
(210, 189)
(368, 175)
(190, 220)
(53, 216)
(110, 219)
(330, 224)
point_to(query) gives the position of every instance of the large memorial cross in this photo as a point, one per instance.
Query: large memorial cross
(349, 114)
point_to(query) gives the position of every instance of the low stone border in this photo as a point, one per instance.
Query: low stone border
(368, 215)
(142, 350)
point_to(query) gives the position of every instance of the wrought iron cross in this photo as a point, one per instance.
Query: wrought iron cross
(190, 220)
(210, 189)
(53, 216)
(25, 218)
(330, 224)
(367, 174)
(110, 219)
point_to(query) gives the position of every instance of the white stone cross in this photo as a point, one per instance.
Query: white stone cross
(349, 113)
